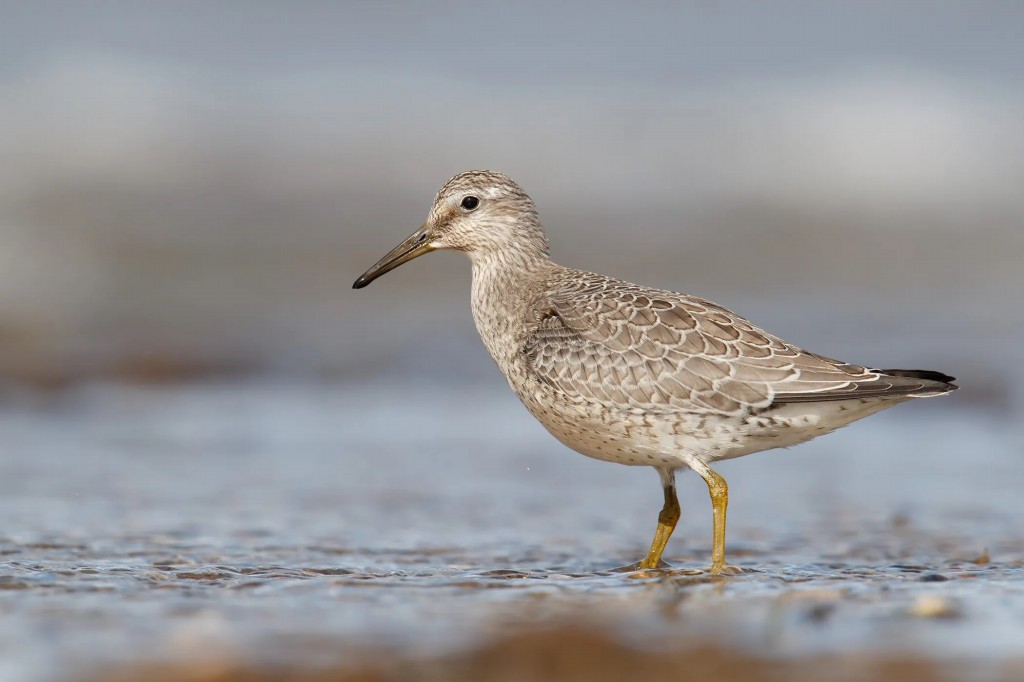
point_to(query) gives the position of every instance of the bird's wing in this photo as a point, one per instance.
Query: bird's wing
(629, 347)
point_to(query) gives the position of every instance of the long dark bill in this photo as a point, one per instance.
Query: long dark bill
(414, 246)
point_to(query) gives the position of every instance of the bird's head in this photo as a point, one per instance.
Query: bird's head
(481, 213)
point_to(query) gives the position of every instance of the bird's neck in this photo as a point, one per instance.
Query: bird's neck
(504, 286)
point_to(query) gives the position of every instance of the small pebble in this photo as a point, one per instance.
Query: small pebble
(934, 606)
(933, 578)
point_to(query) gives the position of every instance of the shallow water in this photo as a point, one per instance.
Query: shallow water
(279, 521)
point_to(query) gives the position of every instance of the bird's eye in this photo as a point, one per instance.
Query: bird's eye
(470, 202)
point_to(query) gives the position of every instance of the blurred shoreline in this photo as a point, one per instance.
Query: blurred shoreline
(154, 227)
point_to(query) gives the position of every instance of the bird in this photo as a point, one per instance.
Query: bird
(636, 375)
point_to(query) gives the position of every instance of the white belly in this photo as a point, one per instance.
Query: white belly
(672, 440)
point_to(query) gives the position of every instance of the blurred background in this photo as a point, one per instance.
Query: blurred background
(190, 188)
(191, 390)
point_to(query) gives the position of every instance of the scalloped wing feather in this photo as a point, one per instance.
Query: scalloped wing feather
(625, 346)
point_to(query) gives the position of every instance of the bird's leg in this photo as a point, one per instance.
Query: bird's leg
(667, 519)
(719, 491)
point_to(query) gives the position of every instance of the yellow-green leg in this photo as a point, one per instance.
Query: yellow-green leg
(719, 491)
(667, 519)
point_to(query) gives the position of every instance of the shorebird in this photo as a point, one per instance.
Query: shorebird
(634, 375)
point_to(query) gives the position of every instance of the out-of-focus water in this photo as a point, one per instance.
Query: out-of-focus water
(260, 519)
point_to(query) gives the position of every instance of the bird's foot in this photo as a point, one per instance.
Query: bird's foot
(663, 570)
(643, 566)
(727, 569)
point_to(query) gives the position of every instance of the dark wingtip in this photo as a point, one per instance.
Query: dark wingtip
(920, 374)
(360, 283)
(926, 374)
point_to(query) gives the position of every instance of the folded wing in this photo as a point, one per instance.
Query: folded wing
(598, 339)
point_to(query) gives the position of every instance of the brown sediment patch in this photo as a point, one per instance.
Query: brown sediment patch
(53, 372)
(548, 654)
(167, 368)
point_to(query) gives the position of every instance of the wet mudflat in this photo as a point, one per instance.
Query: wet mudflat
(247, 527)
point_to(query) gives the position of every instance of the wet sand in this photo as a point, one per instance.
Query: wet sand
(241, 528)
